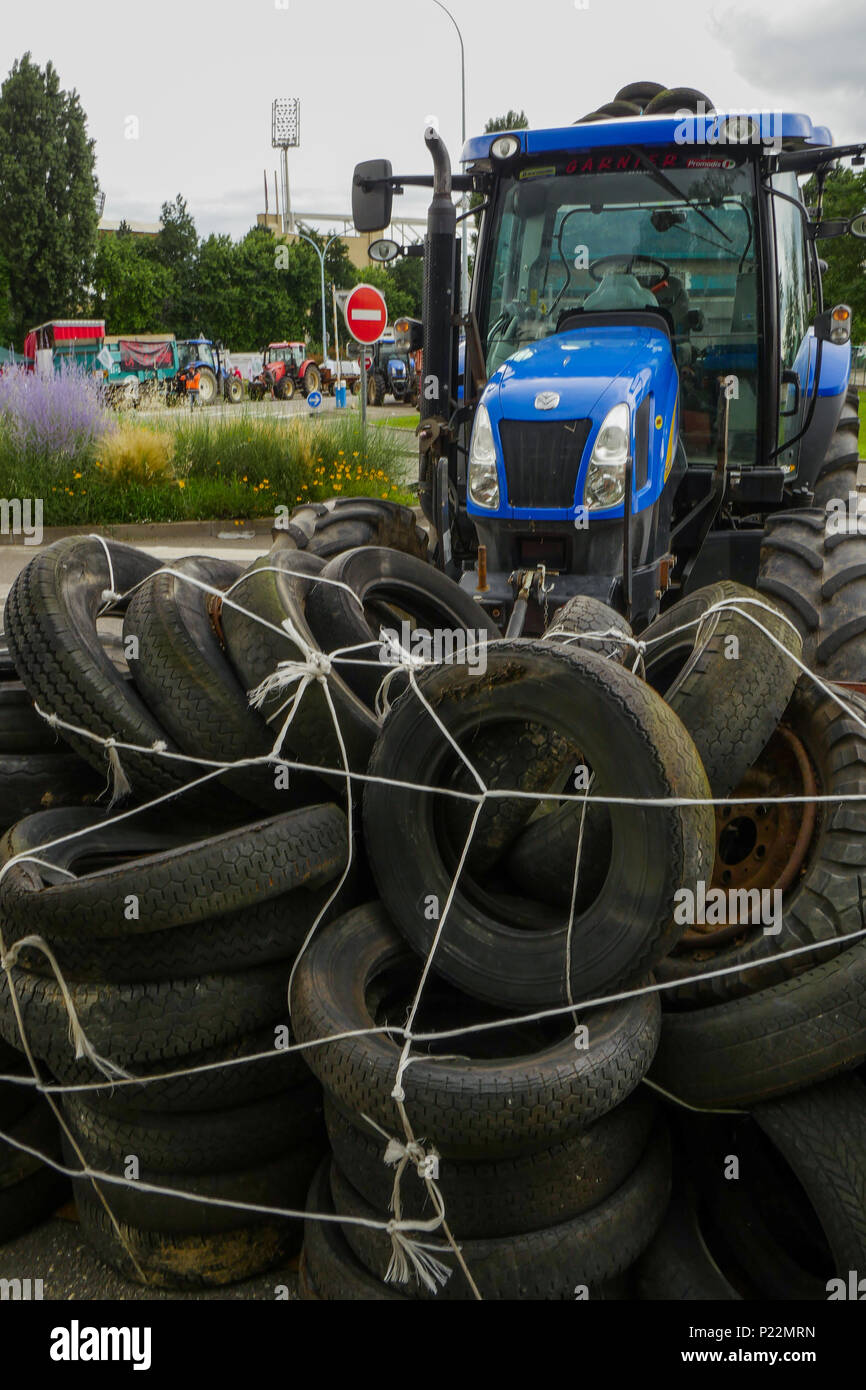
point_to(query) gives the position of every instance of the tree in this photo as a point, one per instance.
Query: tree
(48, 188)
(512, 120)
(402, 284)
(844, 281)
(175, 249)
(131, 288)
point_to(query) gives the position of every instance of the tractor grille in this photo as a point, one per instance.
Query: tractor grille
(542, 460)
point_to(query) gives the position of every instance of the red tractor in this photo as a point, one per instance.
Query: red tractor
(286, 368)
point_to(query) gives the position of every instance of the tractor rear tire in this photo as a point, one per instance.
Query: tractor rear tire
(837, 476)
(207, 391)
(815, 571)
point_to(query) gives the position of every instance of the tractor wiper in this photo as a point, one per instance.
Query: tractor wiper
(670, 187)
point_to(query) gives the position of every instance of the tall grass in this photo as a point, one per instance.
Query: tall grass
(198, 468)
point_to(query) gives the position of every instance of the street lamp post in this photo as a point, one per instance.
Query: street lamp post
(321, 255)
(464, 244)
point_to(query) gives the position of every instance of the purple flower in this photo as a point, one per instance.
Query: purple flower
(56, 417)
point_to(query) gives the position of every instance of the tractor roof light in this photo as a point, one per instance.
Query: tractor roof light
(505, 147)
(740, 130)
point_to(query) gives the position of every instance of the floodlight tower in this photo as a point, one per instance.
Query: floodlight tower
(285, 136)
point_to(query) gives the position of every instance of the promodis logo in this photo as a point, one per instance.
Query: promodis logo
(76, 1343)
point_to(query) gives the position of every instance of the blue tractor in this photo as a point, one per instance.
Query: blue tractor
(653, 395)
(216, 381)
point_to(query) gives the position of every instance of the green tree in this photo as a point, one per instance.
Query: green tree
(48, 190)
(844, 281)
(131, 288)
(175, 249)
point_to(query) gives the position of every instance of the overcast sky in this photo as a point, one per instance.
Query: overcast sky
(200, 80)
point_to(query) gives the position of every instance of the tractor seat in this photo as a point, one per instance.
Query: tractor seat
(619, 291)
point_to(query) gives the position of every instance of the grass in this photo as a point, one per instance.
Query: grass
(225, 469)
(400, 422)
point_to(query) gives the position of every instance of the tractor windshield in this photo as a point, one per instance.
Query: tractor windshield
(605, 233)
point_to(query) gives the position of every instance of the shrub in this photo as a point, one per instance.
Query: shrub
(53, 419)
(137, 455)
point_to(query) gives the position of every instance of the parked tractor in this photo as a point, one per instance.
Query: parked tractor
(391, 372)
(216, 381)
(653, 388)
(285, 369)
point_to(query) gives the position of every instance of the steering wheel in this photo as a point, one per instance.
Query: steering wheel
(597, 268)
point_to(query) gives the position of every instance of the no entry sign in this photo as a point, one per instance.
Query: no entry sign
(366, 314)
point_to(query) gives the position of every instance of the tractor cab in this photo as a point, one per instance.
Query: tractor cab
(291, 355)
(649, 369)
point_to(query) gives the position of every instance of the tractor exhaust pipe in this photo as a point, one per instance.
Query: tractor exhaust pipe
(436, 388)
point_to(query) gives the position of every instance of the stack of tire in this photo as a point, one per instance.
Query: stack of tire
(175, 930)
(30, 1190)
(553, 1173)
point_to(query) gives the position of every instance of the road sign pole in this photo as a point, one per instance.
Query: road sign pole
(364, 392)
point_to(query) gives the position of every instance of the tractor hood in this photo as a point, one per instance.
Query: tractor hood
(549, 401)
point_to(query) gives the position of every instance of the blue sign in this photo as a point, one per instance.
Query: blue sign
(314, 399)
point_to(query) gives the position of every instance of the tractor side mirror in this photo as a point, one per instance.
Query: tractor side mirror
(857, 226)
(372, 195)
(384, 250)
(834, 325)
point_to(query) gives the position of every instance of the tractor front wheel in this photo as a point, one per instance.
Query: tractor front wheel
(285, 389)
(312, 380)
(234, 391)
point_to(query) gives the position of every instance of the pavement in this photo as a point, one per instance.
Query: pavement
(56, 1253)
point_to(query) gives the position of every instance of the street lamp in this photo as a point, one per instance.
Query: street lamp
(464, 245)
(321, 255)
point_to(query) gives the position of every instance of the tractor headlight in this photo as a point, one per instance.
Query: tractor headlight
(483, 477)
(605, 478)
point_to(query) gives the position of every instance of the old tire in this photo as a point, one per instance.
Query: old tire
(507, 1196)
(537, 1092)
(771, 1043)
(726, 679)
(636, 747)
(51, 624)
(363, 589)
(547, 1264)
(341, 523)
(574, 623)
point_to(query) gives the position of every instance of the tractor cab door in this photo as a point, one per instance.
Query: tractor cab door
(796, 306)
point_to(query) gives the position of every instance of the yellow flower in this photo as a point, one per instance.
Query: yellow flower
(181, 483)
(355, 454)
(76, 475)
(244, 478)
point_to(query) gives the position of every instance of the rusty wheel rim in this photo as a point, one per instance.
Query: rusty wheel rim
(762, 845)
